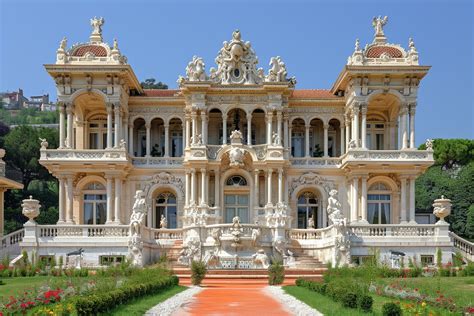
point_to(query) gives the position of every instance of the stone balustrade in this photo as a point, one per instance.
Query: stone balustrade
(464, 246)
(157, 161)
(393, 230)
(409, 155)
(51, 231)
(316, 161)
(304, 234)
(12, 238)
(167, 233)
(115, 154)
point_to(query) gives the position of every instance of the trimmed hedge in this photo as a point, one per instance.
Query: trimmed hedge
(276, 273)
(102, 302)
(339, 293)
(391, 309)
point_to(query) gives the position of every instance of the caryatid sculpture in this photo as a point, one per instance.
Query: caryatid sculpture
(334, 209)
(138, 213)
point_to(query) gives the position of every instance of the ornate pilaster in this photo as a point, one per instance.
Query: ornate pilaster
(363, 110)
(109, 107)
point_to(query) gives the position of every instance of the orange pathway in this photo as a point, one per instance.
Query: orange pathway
(229, 297)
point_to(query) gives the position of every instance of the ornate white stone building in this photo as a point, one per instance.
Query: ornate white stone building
(237, 164)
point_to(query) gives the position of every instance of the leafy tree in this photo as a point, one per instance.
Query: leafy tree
(152, 84)
(469, 232)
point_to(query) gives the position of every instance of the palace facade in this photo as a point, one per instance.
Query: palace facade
(238, 153)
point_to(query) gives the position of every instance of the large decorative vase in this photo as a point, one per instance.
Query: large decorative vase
(31, 209)
(442, 208)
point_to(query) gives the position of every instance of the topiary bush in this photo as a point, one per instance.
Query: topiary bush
(365, 303)
(349, 300)
(276, 273)
(198, 272)
(391, 309)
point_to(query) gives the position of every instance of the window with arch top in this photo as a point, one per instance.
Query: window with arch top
(166, 204)
(236, 181)
(379, 204)
(308, 205)
(95, 204)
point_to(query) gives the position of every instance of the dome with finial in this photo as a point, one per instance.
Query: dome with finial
(382, 52)
(94, 51)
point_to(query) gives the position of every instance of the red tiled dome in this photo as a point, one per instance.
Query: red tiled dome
(97, 50)
(377, 51)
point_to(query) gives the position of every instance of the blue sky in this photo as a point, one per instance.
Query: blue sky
(314, 38)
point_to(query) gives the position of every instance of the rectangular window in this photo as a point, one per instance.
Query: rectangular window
(111, 260)
(379, 141)
(427, 260)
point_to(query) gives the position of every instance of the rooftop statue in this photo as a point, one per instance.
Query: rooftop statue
(96, 24)
(378, 24)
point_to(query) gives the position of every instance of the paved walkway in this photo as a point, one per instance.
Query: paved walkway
(233, 299)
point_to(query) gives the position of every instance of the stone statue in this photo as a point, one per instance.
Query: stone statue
(357, 45)
(216, 235)
(236, 137)
(195, 71)
(277, 71)
(236, 231)
(138, 213)
(44, 143)
(196, 140)
(261, 259)
(191, 251)
(163, 222)
(276, 139)
(378, 24)
(96, 24)
(310, 222)
(115, 47)
(256, 232)
(122, 144)
(334, 210)
(429, 144)
(63, 44)
(236, 156)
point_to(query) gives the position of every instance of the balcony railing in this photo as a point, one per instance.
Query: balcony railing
(46, 231)
(388, 155)
(320, 161)
(393, 230)
(115, 154)
(157, 161)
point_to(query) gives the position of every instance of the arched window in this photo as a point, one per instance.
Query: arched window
(95, 204)
(98, 133)
(379, 202)
(236, 181)
(308, 204)
(375, 135)
(165, 204)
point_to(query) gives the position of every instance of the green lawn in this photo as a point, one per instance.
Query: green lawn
(17, 285)
(141, 305)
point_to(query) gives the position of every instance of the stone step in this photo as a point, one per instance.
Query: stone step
(288, 272)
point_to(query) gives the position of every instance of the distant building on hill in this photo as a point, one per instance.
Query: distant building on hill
(17, 101)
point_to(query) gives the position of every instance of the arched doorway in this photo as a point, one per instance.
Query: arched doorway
(166, 205)
(308, 206)
(236, 199)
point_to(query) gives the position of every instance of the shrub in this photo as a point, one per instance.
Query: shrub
(276, 273)
(391, 309)
(365, 303)
(198, 272)
(336, 291)
(349, 300)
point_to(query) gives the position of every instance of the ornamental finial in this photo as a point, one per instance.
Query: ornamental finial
(357, 45)
(378, 23)
(411, 44)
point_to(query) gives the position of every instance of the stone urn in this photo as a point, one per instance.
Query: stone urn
(31, 209)
(442, 208)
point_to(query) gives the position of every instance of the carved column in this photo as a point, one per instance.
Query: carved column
(62, 199)
(403, 200)
(187, 132)
(364, 126)
(280, 185)
(109, 125)
(69, 211)
(123, 127)
(256, 187)
(70, 129)
(341, 132)
(130, 139)
(290, 131)
(412, 126)
(194, 124)
(110, 199)
(148, 139)
(167, 140)
(117, 125)
(269, 187)
(279, 118)
(224, 128)
(326, 140)
(355, 125)
(203, 127)
(269, 119)
(188, 188)
(193, 186)
(363, 200)
(217, 188)
(61, 125)
(203, 187)
(403, 126)
(249, 129)
(285, 130)
(348, 132)
(412, 201)
(118, 194)
(355, 199)
(306, 139)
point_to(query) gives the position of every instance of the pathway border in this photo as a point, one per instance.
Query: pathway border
(293, 305)
(169, 306)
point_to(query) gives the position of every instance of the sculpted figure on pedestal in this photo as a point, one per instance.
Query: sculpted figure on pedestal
(261, 259)
(163, 222)
(378, 24)
(138, 213)
(195, 71)
(334, 210)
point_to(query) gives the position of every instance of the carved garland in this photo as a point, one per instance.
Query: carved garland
(165, 178)
(314, 179)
